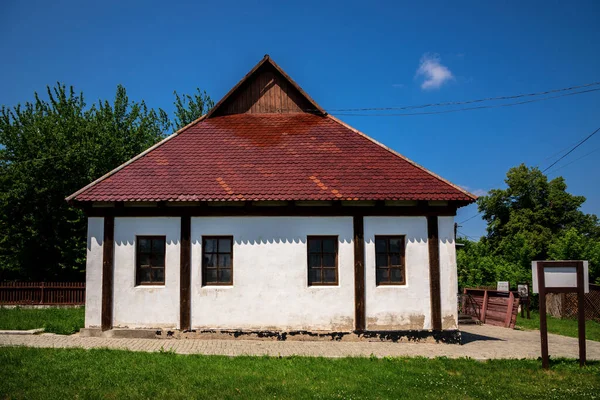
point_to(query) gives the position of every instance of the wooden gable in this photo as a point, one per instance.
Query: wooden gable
(266, 89)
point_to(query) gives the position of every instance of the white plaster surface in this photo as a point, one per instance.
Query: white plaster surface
(145, 306)
(398, 306)
(270, 276)
(93, 272)
(448, 273)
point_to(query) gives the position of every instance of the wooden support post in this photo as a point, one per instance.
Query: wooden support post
(359, 274)
(42, 293)
(581, 313)
(434, 272)
(543, 320)
(511, 304)
(184, 274)
(484, 306)
(107, 272)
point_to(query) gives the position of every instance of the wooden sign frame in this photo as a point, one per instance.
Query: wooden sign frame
(580, 290)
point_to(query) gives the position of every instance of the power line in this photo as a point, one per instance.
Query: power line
(470, 108)
(577, 159)
(456, 103)
(570, 151)
(554, 163)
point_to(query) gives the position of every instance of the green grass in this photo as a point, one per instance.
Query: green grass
(63, 321)
(100, 373)
(565, 327)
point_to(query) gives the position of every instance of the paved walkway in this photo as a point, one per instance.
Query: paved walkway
(480, 342)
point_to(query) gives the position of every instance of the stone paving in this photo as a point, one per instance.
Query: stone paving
(479, 342)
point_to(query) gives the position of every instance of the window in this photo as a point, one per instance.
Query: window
(217, 260)
(150, 260)
(389, 260)
(322, 260)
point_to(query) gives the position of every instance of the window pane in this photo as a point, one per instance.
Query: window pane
(157, 260)
(144, 245)
(210, 275)
(225, 260)
(381, 260)
(314, 260)
(158, 246)
(395, 245)
(329, 245)
(210, 245)
(329, 260)
(224, 275)
(383, 275)
(158, 275)
(144, 275)
(143, 259)
(314, 275)
(395, 259)
(224, 245)
(396, 275)
(329, 275)
(380, 245)
(314, 245)
(210, 260)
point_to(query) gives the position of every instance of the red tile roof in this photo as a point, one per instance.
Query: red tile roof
(270, 157)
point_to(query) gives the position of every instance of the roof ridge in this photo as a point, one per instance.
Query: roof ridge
(402, 156)
(143, 153)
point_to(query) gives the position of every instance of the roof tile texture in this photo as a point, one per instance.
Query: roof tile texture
(247, 157)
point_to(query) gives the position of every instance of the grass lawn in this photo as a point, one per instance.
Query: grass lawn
(76, 373)
(565, 327)
(63, 321)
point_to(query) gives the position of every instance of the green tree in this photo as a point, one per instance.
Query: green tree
(572, 245)
(532, 219)
(524, 218)
(189, 108)
(49, 148)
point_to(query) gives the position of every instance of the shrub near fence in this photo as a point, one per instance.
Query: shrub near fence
(42, 293)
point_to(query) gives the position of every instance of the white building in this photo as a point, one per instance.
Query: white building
(268, 214)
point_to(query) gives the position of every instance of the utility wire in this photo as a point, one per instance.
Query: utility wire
(456, 103)
(554, 163)
(469, 108)
(577, 159)
(570, 151)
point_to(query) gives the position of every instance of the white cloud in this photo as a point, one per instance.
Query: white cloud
(433, 71)
(476, 192)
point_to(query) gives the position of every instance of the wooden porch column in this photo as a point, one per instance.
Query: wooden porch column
(184, 275)
(359, 273)
(107, 272)
(434, 272)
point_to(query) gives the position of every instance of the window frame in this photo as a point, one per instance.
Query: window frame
(204, 267)
(321, 253)
(389, 267)
(138, 266)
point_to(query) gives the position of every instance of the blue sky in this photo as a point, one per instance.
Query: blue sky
(352, 55)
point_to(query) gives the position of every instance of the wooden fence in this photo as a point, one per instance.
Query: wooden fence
(42, 293)
(491, 306)
(564, 305)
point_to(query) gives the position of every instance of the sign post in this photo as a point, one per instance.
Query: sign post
(503, 286)
(561, 277)
(523, 290)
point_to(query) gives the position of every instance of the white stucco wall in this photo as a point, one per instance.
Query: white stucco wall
(398, 307)
(155, 306)
(270, 284)
(270, 289)
(93, 272)
(448, 273)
